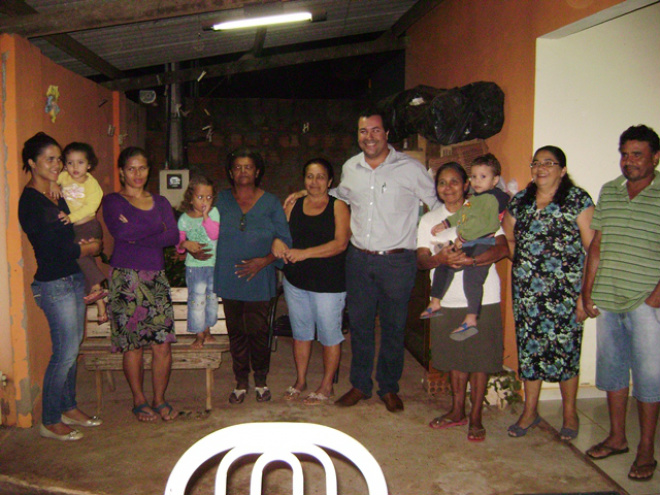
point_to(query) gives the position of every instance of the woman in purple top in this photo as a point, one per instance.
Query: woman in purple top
(141, 313)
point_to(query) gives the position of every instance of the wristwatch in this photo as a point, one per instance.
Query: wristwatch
(474, 261)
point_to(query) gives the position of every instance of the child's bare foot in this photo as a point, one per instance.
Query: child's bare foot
(101, 311)
(470, 320)
(208, 337)
(199, 341)
(432, 310)
(95, 295)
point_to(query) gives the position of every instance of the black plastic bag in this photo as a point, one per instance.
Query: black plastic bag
(445, 116)
(461, 114)
(405, 111)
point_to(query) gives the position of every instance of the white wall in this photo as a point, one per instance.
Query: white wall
(590, 87)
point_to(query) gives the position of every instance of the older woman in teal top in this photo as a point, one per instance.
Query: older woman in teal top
(245, 268)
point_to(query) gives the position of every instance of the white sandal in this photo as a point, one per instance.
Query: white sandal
(237, 396)
(315, 399)
(263, 394)
(292, 394)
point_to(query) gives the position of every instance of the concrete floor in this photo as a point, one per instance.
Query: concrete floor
(124, 457)
(594, 427)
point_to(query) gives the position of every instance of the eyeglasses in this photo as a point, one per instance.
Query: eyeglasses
(247, 167)
(242, 223)
(545, 164)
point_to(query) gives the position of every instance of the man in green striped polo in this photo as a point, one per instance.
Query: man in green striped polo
(622, 287)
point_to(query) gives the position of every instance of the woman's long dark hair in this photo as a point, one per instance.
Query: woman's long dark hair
(34, 146)
(564, 186)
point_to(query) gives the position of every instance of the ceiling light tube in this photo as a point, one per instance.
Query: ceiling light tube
(263, 21)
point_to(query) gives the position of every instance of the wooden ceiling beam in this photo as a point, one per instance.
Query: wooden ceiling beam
(80, 52)
(257, 48)
(15, 8)
(95, 14)
(64, 42)
(415, 13)
(382, 44)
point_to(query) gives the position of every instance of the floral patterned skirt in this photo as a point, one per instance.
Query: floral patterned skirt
(140, 309)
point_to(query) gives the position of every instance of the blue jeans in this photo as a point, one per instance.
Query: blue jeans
(202, 301)
(378, 284)
(629, 341)
(62, 302)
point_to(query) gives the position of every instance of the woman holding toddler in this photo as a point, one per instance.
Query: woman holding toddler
(471, 359)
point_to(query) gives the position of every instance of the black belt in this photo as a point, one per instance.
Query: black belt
(381, 253)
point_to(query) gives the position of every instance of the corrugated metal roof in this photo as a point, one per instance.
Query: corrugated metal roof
(155, 43)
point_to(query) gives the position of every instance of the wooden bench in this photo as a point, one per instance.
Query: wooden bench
(96, 355)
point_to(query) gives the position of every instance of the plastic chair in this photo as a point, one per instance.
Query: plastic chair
(278, 319)
(276, 442)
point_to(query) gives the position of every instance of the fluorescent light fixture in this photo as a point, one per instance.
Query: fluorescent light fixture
(263, 21)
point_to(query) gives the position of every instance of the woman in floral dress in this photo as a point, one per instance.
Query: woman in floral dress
(142, 225)
(547, 228)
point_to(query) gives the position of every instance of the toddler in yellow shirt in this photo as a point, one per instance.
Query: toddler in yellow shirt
(83, 196)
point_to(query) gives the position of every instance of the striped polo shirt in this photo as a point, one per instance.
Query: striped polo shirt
(629, 267)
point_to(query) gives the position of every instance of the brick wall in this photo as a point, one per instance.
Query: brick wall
(286, 132)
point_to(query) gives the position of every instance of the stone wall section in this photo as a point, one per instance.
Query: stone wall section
(286, 132)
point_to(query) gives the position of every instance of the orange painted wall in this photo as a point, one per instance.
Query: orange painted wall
(87, 110)
(9, 347)
(463, 41)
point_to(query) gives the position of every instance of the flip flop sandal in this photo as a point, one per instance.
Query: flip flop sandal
(142, 409)
(517, 431)
(101, 319)
(463, 332)
(430, 313)
(292, 394)
(568, 434)
(636, 469)
(315, 399)
(237, 396)
(608, 451)
(171, 413)
(442, 422)
(263, 394)
(476, 434)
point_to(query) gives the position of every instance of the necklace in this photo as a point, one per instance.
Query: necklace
(45, 193)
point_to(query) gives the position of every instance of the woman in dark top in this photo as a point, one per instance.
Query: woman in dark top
(315, 287)
(58, 287)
